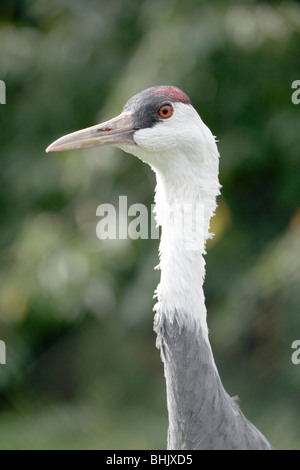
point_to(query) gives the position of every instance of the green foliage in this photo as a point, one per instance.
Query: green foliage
(76, 313)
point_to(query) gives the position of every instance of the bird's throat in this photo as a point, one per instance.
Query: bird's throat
(183, 211)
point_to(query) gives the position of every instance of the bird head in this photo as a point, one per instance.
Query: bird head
(154, 124)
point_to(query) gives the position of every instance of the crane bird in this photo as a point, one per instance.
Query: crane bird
(161, 127)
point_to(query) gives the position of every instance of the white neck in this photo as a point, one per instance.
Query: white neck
(178, 195)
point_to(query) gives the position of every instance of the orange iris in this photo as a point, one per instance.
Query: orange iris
(165, 111)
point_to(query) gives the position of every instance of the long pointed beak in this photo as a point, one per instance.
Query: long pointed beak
(118, 130)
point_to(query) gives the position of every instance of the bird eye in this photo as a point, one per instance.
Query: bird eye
(165, 111)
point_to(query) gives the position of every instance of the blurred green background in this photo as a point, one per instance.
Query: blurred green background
(76, 314)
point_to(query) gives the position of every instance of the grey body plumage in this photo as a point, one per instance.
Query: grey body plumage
(201, 413)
